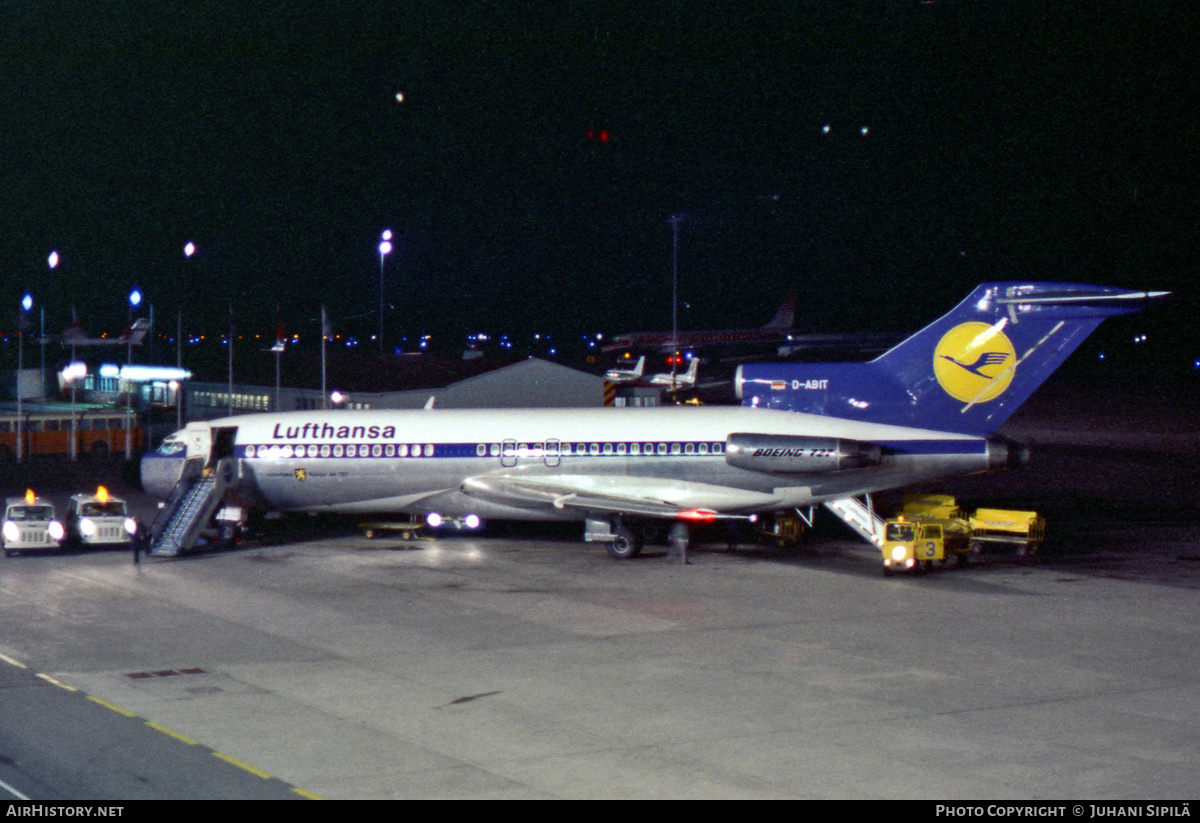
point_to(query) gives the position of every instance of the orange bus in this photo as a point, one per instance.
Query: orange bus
(98, 432)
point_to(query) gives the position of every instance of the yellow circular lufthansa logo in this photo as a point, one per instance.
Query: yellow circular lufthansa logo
(974, 362)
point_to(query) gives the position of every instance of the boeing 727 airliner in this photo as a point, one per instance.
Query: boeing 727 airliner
(806, 434)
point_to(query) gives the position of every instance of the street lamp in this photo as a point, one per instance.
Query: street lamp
(71, 373)
(674, 221)
(189, 249)
(22, 321)
(385, 248)
(135, 300)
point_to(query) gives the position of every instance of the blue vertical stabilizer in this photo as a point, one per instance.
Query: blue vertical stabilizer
(966, 372)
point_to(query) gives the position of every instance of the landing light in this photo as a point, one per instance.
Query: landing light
(434, 520)
(472, 521)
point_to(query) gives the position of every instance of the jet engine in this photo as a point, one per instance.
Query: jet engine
(784, 454)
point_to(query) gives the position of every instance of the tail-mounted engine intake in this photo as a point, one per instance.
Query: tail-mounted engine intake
(783, 453)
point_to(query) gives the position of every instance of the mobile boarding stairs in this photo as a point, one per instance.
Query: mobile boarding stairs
(191, 506)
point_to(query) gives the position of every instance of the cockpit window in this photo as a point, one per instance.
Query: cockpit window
(172, 447)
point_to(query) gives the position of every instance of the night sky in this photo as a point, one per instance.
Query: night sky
(541, 148)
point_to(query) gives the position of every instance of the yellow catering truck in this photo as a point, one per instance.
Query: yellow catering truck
(1022, 530)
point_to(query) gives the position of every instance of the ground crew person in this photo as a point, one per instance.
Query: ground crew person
(137, 539)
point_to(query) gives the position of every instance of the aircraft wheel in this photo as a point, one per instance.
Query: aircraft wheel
(624, 545)
(368, 533)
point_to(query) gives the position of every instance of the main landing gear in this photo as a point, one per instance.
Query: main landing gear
(624, 541)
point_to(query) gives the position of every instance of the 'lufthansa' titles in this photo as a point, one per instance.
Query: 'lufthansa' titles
(328, 431)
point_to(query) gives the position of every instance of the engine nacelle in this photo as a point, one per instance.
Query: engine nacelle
(785, 454)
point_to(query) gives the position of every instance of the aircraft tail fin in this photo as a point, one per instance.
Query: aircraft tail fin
(135, 334)
(693, 372)
(784, 317)
(967, 371)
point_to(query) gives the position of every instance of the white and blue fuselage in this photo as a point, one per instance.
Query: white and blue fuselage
(562, 464)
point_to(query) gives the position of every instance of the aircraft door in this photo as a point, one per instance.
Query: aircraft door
(551, 452)
(222, 443)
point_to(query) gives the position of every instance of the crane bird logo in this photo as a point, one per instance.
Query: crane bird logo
(974, 362)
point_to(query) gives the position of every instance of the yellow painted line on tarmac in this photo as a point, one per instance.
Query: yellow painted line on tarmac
(110, 706)
(170, 733)
(55, 681)
(234, 762)
(160, 728)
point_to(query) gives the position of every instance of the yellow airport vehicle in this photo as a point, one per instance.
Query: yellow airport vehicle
(1023, 530)
(917, 544)
(408, 529)
(784, 528)
(931, 507)
(30, 526)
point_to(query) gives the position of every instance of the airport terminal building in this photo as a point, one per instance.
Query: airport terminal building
(531, 383)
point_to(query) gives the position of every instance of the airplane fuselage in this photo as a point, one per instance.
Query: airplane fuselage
(547, 465)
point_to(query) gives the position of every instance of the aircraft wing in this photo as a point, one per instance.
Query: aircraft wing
(645, 496)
